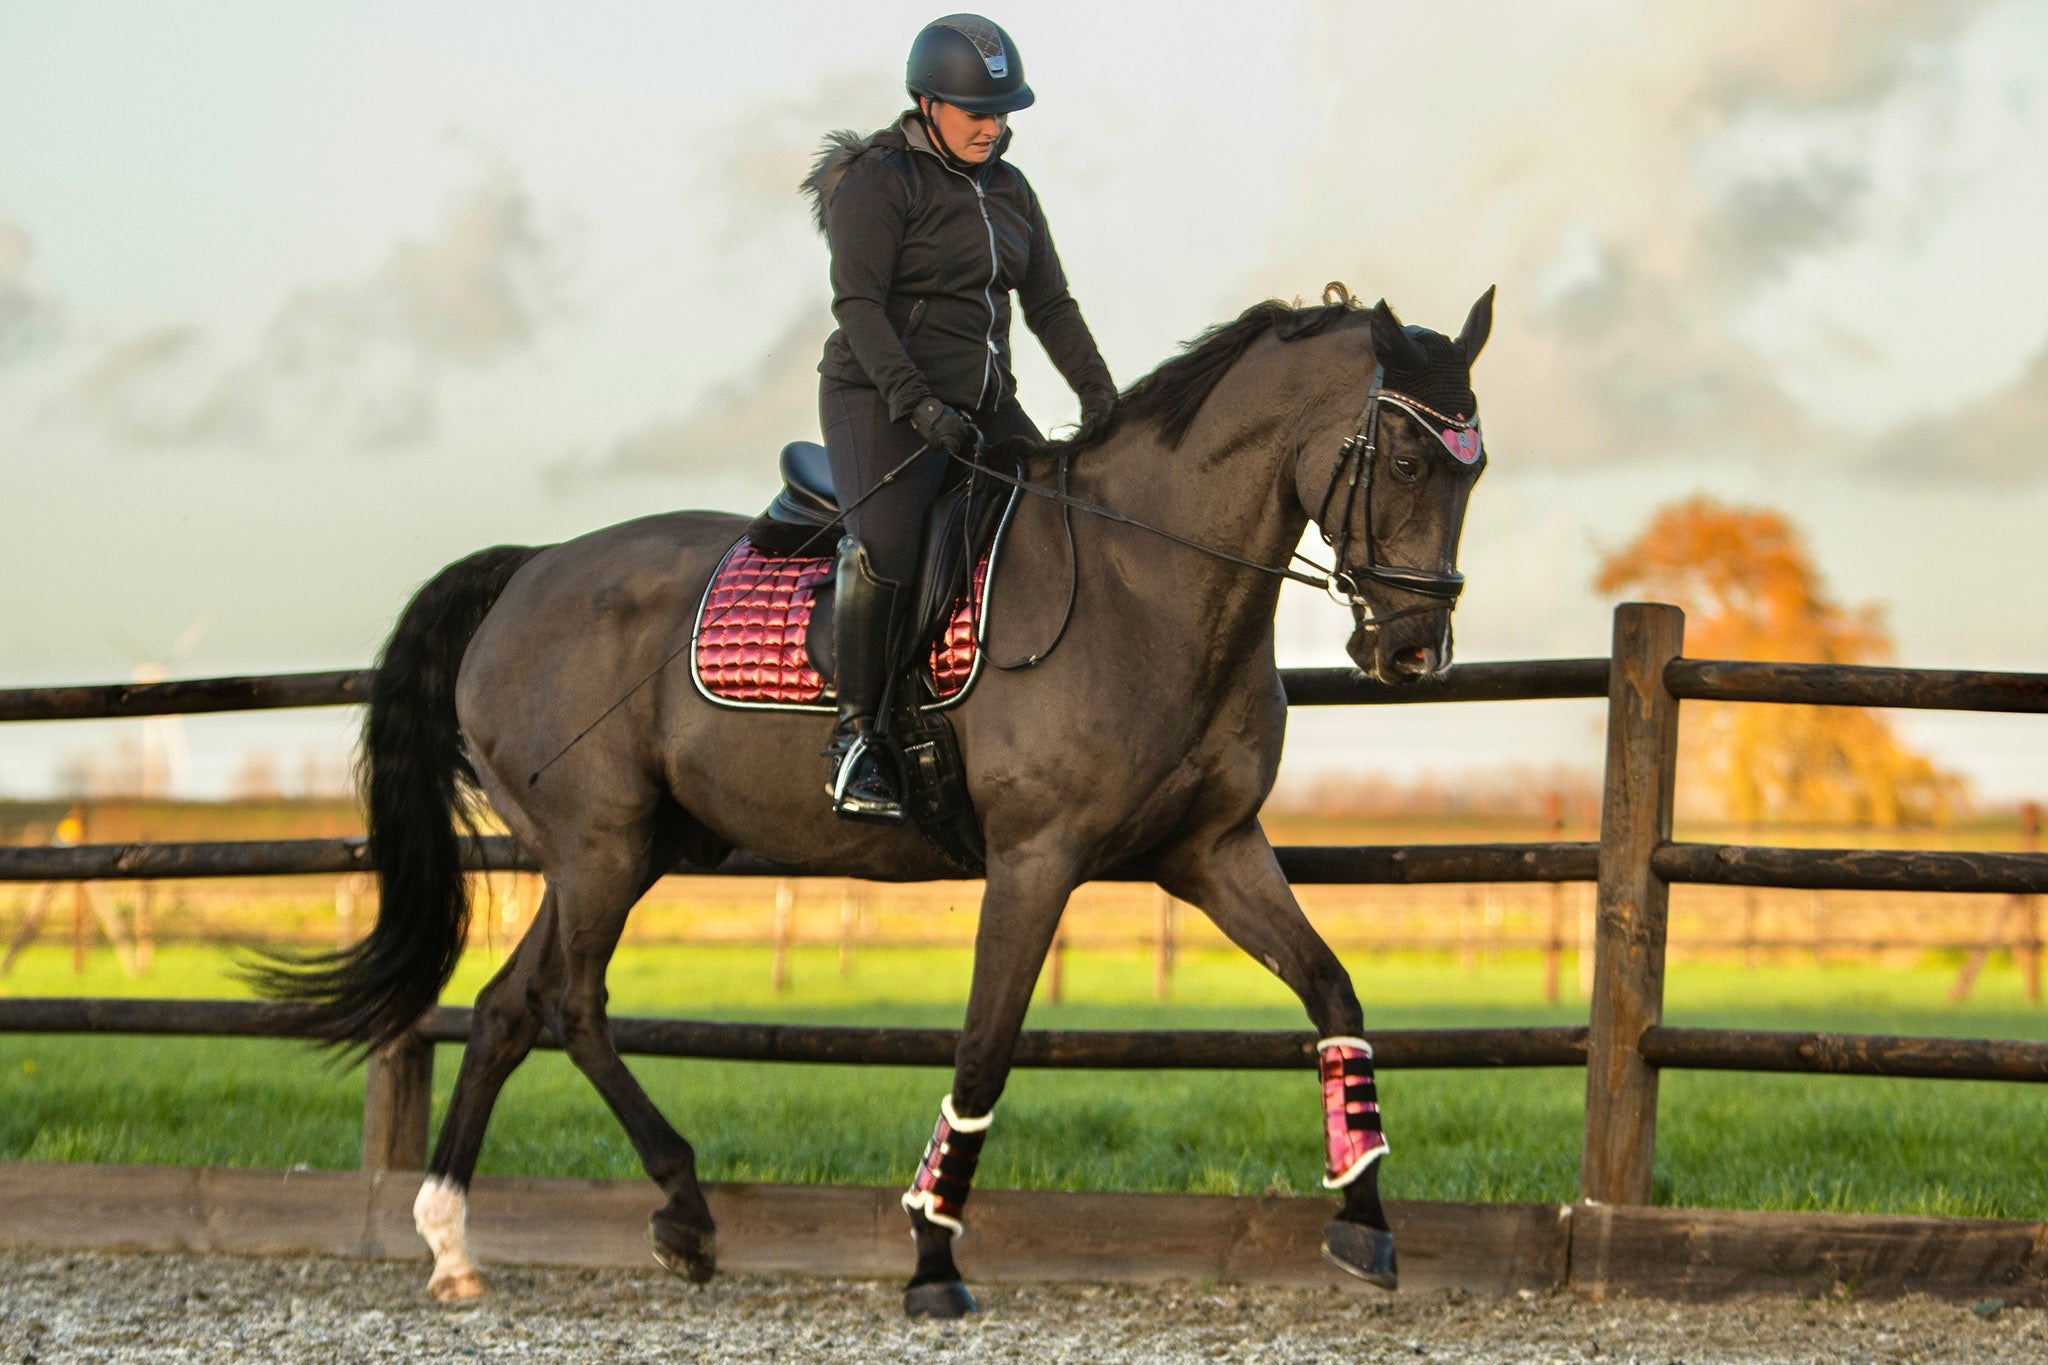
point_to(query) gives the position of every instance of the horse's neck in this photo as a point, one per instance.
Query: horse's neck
(1234, 496)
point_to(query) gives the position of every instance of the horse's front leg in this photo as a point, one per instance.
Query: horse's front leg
(1020, 907)
(1234, 878)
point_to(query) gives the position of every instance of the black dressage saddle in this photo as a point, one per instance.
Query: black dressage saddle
(961, 524)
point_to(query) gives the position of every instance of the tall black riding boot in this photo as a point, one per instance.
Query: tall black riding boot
(864, 780)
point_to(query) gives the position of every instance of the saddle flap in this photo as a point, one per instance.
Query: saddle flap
(958, 528)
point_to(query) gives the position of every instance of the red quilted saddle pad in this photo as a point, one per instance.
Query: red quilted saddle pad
(750, 632)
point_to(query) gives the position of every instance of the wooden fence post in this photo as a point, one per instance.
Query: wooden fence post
(1056, 965)
(1586, 905)
(2030, 907)
(398, 1100)
(1553, 944)
(785, 929)
(849, 923)
(1628, 953)
(1162, 945)
(145, 927)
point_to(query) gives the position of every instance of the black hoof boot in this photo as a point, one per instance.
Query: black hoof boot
(1359, 1250)
(681, 1249)
(939, 1299)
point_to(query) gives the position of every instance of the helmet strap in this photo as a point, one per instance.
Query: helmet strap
(938, 140)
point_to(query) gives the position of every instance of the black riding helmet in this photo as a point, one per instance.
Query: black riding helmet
(970, 63)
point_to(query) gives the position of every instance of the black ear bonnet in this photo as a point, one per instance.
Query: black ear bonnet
(1444, 380)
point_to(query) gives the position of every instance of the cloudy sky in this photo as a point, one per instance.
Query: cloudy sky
(300, 302)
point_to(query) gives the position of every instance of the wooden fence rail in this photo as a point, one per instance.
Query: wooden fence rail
(1514, 680)
(1804, 869)
(1838, 1054)
(1633, 864)
(1924, 689)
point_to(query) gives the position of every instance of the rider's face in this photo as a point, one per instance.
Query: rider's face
(971, 137)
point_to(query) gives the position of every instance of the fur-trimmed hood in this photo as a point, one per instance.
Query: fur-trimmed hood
(842, 147)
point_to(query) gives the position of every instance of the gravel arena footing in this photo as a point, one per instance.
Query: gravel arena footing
(102, 1307)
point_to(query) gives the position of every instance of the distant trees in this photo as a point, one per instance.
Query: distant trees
(1749, 590)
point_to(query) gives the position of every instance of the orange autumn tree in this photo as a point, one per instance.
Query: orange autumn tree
(1749, 590)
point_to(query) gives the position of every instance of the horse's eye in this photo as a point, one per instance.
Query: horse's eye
(1406, 466)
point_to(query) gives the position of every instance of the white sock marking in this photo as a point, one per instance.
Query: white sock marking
(440, 1212)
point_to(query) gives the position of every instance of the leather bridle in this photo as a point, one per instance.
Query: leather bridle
(1354, 469)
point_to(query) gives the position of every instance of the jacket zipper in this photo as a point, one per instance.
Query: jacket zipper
(988, 362)
(988, 339)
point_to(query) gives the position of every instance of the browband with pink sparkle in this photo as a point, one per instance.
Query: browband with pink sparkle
(1459, 435)
(1351, 1110)
(945, 1177)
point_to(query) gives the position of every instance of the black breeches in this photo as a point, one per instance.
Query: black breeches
(865, 445)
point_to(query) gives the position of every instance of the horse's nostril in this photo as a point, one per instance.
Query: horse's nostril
(1415, 661)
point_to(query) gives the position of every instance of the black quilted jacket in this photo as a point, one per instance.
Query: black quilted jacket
(923, 261)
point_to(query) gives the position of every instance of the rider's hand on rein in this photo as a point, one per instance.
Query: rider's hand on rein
(942, 426)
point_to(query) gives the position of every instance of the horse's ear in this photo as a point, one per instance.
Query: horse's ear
(1478, 326)
(1391, 343)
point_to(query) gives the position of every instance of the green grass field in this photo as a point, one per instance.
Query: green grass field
(1737, 1141)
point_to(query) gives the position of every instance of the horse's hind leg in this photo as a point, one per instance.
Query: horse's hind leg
(596, 895)
(1235, 879)
(1020, 908)
(502, 1031)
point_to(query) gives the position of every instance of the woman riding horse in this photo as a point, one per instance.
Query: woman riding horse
(538, 677)
(930, 230)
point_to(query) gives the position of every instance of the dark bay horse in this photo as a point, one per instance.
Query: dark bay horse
(1151, 735)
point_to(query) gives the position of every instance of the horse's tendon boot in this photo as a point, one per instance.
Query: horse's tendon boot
(935, 1201)
(1352, 1139)
(1353, 1146)
(945, 1177)
(681, 1249)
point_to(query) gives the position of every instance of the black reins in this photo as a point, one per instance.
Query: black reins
(1353, 467)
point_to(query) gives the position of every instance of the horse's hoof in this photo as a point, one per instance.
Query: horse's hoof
(457, 1288)
(1359, 1250)
(683, 1250)
(939, 1299)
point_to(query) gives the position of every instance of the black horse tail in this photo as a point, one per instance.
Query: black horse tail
(417, 788)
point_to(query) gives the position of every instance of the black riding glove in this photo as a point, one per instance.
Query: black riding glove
(941, 426)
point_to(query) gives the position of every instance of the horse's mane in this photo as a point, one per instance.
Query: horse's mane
(1173, 394)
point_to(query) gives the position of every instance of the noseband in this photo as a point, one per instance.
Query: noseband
(1354, 469)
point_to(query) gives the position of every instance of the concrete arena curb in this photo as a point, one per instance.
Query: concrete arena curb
(1033, 1235)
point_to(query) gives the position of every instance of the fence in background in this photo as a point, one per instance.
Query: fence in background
(1633, 865)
